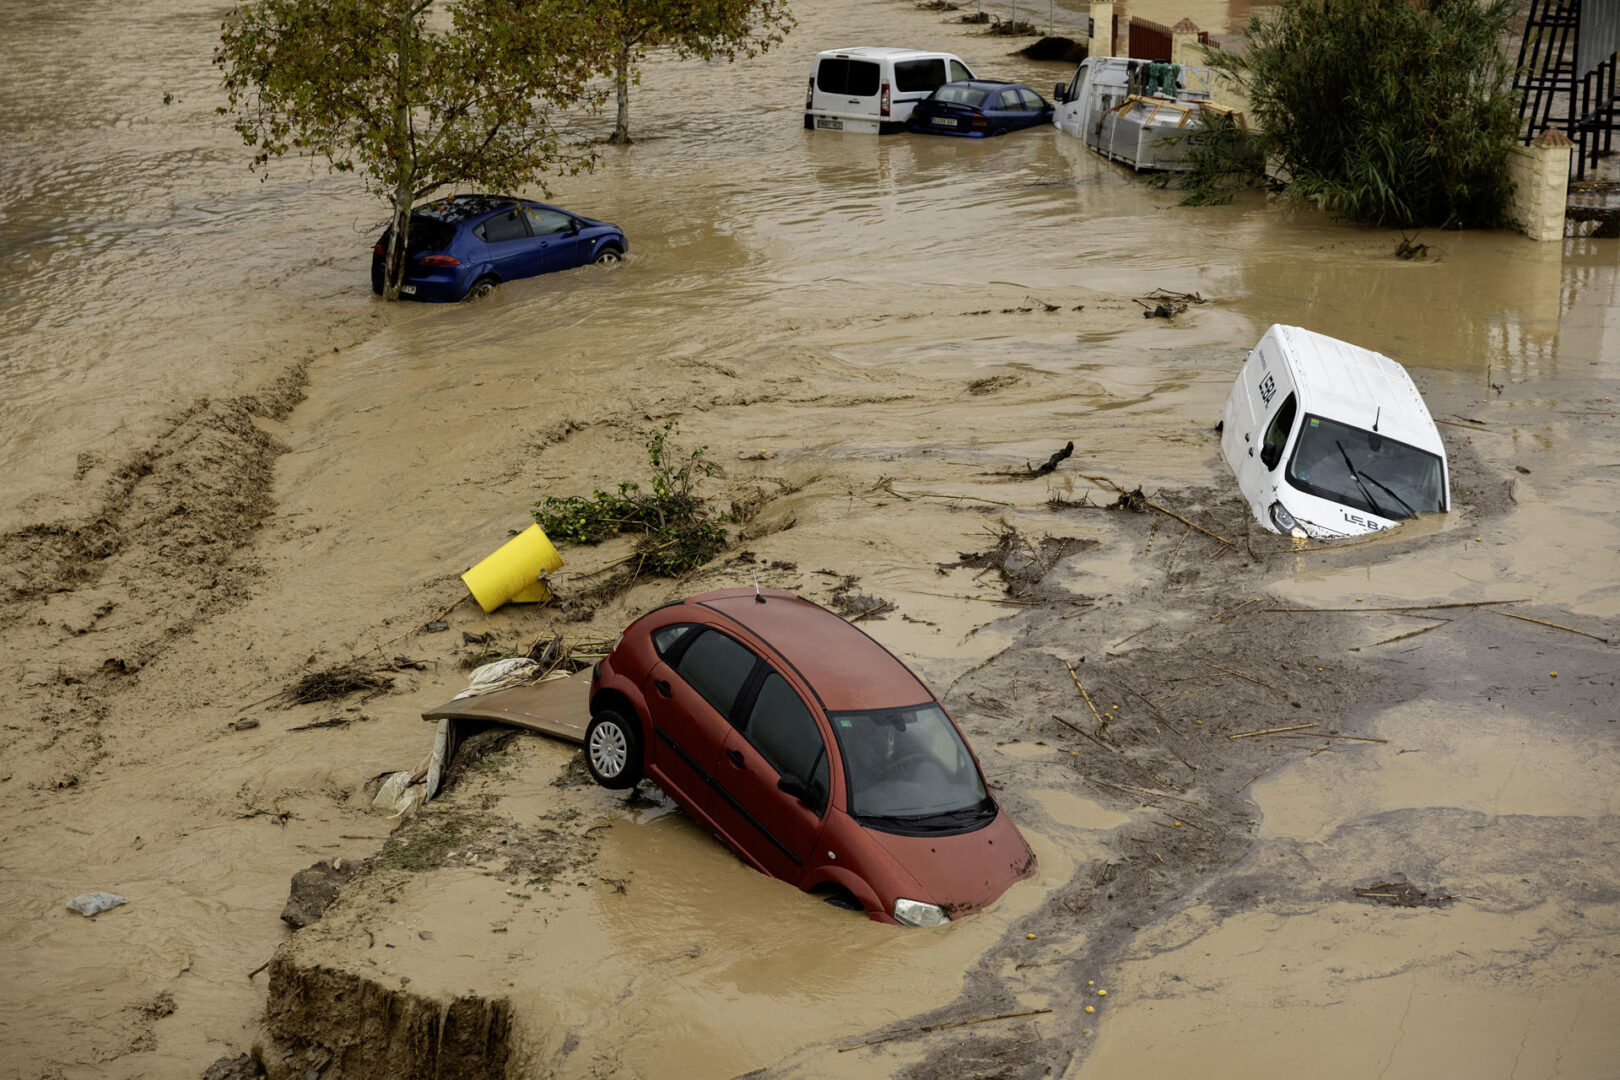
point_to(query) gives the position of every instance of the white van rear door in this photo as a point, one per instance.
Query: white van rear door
(846, 89)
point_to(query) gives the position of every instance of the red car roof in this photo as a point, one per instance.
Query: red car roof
(846, 669)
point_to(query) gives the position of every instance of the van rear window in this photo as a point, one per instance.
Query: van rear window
(857, 78)
(919, 76)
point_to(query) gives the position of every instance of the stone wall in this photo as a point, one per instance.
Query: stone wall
(1540, 175)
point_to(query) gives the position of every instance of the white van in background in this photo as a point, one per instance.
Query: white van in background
(1329, 439)
(873, 90)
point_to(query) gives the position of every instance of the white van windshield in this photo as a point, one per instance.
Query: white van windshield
(1365, 470)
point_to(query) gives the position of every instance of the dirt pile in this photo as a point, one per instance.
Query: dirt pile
(96, 599)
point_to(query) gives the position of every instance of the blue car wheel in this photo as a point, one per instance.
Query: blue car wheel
(481, 288)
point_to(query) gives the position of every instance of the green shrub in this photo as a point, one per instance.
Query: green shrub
(677, 531)
(1391, 112)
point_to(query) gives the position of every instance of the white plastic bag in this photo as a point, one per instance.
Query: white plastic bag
(94, 903)
(501, 675)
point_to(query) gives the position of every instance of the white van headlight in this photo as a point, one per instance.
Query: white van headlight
(917, 913)
(1286, 524)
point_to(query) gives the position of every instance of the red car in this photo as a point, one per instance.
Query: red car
(809, 750)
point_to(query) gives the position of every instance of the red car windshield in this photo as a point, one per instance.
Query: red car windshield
(910, 767)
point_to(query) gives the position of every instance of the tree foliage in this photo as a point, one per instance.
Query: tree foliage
(1392, 112)
(706, 29)
(411, 95)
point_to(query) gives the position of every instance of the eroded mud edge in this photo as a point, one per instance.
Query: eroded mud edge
(361, 1029)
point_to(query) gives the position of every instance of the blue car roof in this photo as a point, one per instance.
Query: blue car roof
(459, 208)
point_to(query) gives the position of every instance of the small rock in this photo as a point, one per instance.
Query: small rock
(470, 638)
(94, 903)
(247, 723)
(426, 935)
(314, 889)
(240, 1067)
(436, 627)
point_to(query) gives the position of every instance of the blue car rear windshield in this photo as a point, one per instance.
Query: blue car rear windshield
(961, 95)
(425, 234)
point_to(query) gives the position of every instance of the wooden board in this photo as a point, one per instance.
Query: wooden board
(559, 708)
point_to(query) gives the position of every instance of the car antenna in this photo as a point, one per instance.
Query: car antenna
(759, 597)
(1376, 415)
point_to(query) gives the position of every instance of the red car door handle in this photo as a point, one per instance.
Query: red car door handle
(736, 757)
(663, 687)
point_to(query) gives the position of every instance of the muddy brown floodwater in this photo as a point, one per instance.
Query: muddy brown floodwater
(227, 465)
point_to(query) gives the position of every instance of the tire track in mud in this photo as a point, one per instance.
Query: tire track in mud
(87, 603)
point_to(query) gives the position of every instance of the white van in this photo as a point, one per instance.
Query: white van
(1329, 439)
(873, 90)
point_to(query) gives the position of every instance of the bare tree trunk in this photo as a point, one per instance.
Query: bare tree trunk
(399, 232)
(621, 86)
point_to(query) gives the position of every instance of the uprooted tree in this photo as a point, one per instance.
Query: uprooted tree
(1391, 112)
(706, 29)
(412, 95)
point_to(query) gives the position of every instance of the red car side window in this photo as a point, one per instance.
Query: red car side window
(716, 667)
(785, 734)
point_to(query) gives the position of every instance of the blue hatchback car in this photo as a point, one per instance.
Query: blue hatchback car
(461, 247)
(979, 107)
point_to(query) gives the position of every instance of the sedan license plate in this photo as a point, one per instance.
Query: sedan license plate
(408, 290)
(829, 123)
(942, 121)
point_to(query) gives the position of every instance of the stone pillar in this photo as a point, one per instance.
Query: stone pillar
(1102, 29)
(1184, 44)
(1540, 175)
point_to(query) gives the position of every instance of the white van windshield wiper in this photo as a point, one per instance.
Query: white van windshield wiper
(1374, 480)
(1374, 503)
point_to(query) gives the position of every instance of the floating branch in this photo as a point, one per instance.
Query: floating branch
(1273, 730)
(1555, 626)
(1153, 505)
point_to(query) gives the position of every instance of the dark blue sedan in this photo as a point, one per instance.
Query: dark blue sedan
(461, 247)
(978, 108)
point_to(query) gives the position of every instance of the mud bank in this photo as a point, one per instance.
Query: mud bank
(352, 1025)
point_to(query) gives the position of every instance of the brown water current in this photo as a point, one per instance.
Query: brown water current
(225, 464)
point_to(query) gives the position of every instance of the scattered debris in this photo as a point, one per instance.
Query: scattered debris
(854, 605)
(1052, 463)
(991, 383)
(1409, 250)
(1020, 562)
(1401, 894)
(339, 680)
(313, 890)
(1164, 304)
(94, 903)
(757, 455)
(1136, 502)
(470, 638)
(437, 626)
(329, 722)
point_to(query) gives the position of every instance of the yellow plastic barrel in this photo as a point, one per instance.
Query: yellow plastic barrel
(514, 573)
